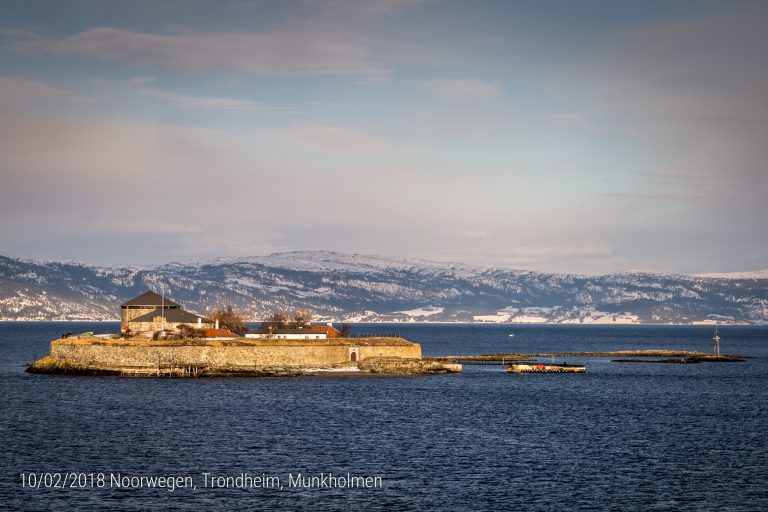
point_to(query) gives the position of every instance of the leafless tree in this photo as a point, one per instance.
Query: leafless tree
(186, 330)
(300, 318)
(230, 319)
(275, 321)
(282, 320)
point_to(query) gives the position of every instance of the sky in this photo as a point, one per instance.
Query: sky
(560, 136)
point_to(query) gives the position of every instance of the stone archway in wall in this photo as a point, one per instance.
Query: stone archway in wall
(353, 354)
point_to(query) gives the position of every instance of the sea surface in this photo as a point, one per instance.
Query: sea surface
(620, 437)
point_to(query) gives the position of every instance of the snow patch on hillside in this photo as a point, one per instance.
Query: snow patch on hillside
(529, 319)
(499, 318)
(758, 274)
(427, 311)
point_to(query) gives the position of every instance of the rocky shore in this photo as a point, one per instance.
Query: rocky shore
(93, 356)
(51, 366)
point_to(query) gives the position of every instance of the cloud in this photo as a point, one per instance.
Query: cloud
(10, 86)
(332, 138)
(153, 228)
(573, 117)
(528, 253)
(364, 9)
(654, 196)
(686, 96)
(467, 88)
(141, 80)
(560, 257)
(475, 233)
(674, 175)
(132, 178)
(201, 102)
(97, 160)
(296, 50)
(693, 88)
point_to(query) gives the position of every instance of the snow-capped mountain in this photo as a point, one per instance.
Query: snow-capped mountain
(351, 287)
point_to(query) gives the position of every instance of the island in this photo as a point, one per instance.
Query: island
(159, 339)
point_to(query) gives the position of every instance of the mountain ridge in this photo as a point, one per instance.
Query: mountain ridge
(356, 287)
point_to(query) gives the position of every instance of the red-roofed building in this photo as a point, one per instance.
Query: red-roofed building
(329, 330)
(214, 333)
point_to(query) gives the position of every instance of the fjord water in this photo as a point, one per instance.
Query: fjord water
(620, 437)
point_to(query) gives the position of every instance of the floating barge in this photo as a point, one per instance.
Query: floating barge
(528, 367)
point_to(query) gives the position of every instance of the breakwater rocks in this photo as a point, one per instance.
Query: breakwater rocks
(235, 358)
(669, 356)
(686, 360)
(407, 366)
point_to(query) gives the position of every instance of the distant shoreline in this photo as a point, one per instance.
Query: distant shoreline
(510, 324)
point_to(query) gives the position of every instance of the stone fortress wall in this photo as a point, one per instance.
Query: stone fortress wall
(295, 354)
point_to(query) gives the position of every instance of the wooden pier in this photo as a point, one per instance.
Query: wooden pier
(164, 371)
(545, 368)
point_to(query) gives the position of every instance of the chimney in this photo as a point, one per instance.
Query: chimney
(199, 322)
(329, 324)
(217, 323)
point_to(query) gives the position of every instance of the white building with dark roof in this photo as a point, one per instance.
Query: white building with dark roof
(287, 334)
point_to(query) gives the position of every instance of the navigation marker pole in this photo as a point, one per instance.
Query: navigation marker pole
(716, 339)
(162, 307)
